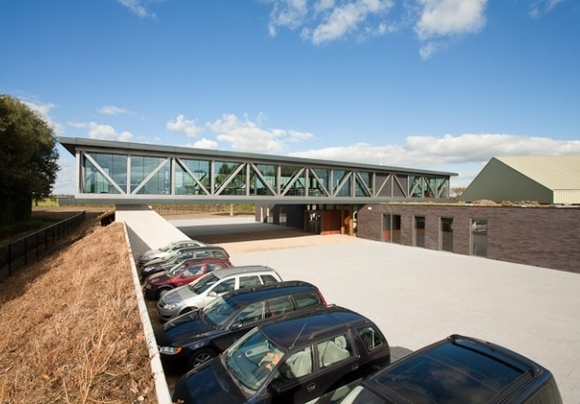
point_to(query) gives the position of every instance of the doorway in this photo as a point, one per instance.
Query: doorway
(392, 228)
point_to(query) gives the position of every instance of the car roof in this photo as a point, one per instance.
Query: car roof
(484, 371)
(199, 260)
(257, 293)
(201, 248)
(248, 269)
(298, 329)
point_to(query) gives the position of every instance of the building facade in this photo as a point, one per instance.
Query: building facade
(544, 236)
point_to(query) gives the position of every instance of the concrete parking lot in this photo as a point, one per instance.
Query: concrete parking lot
(418, 296)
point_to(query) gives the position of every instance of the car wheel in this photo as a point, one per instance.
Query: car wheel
(162, 291)
(200, 357)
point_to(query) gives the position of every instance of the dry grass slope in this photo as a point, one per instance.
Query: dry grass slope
(71, 331)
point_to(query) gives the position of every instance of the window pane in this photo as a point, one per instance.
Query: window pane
(479, 237)
(333, 351)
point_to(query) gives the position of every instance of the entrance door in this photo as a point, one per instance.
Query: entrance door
(392, 228)
(419, 229)
(446, 234)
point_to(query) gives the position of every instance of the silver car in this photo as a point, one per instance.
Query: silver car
(203, 290)
(167, 250)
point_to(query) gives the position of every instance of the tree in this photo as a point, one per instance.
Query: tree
(457, 191)
(28, 159)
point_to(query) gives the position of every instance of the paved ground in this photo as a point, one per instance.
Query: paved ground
(418, 296)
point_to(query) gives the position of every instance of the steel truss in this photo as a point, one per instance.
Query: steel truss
(119, 172)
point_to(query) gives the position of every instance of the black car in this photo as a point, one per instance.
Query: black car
(459, 369)
(195, 337)
(162, 264)
(291, 361)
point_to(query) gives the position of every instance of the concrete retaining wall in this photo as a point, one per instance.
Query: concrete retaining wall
(146, 228)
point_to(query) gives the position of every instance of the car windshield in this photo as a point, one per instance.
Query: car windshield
(219, 310)
(252, 359)
(202, 284)
(174, 271)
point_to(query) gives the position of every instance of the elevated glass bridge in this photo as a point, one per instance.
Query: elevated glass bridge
(111, 172)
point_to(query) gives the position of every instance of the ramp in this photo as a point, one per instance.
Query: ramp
(146, 228)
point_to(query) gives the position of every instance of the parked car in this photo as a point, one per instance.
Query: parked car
(167, 249)
(194, 338)
(290, 361)
(181, 274)
(459, 369)
(159, 265)
(203, 290)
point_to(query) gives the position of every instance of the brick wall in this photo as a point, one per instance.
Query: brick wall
(541, 236)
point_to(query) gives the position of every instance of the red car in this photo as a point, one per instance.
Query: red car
(181, 274)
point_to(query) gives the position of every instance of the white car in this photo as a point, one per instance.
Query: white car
(168, 249)
(200, 292)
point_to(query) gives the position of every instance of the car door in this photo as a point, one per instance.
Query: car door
(331, 360)
(337, 361)
(295, 379)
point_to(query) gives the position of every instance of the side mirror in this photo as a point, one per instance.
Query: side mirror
(212, 294)
(236, 325)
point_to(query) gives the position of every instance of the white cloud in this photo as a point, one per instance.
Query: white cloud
(329, 20)
(112, 110)
(180, 124)
(204, 143)
(539, 7)
(287, 13)
(347, 18)
(465, 154)
(442, 20)
(246, 135)
(65, 179)
(437, 23)
(102, 132)
(138, 7)
(43, 110)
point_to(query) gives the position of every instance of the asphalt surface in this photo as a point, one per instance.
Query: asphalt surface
(418, 296)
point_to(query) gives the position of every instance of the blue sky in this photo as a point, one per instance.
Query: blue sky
(433, 84)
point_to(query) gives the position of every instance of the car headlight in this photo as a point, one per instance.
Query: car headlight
(169, 306)
(170, 350)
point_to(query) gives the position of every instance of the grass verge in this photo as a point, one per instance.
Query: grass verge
(71, 328)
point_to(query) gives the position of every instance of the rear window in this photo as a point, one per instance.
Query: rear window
(279, 305)
(219, 254)
(246, 281)
(371, 337)
(449, 374)
(307, 299)
(266, 279)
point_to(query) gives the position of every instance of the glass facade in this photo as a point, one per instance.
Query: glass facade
(147, 174)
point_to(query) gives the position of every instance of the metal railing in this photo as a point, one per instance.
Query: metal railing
(19, 253)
